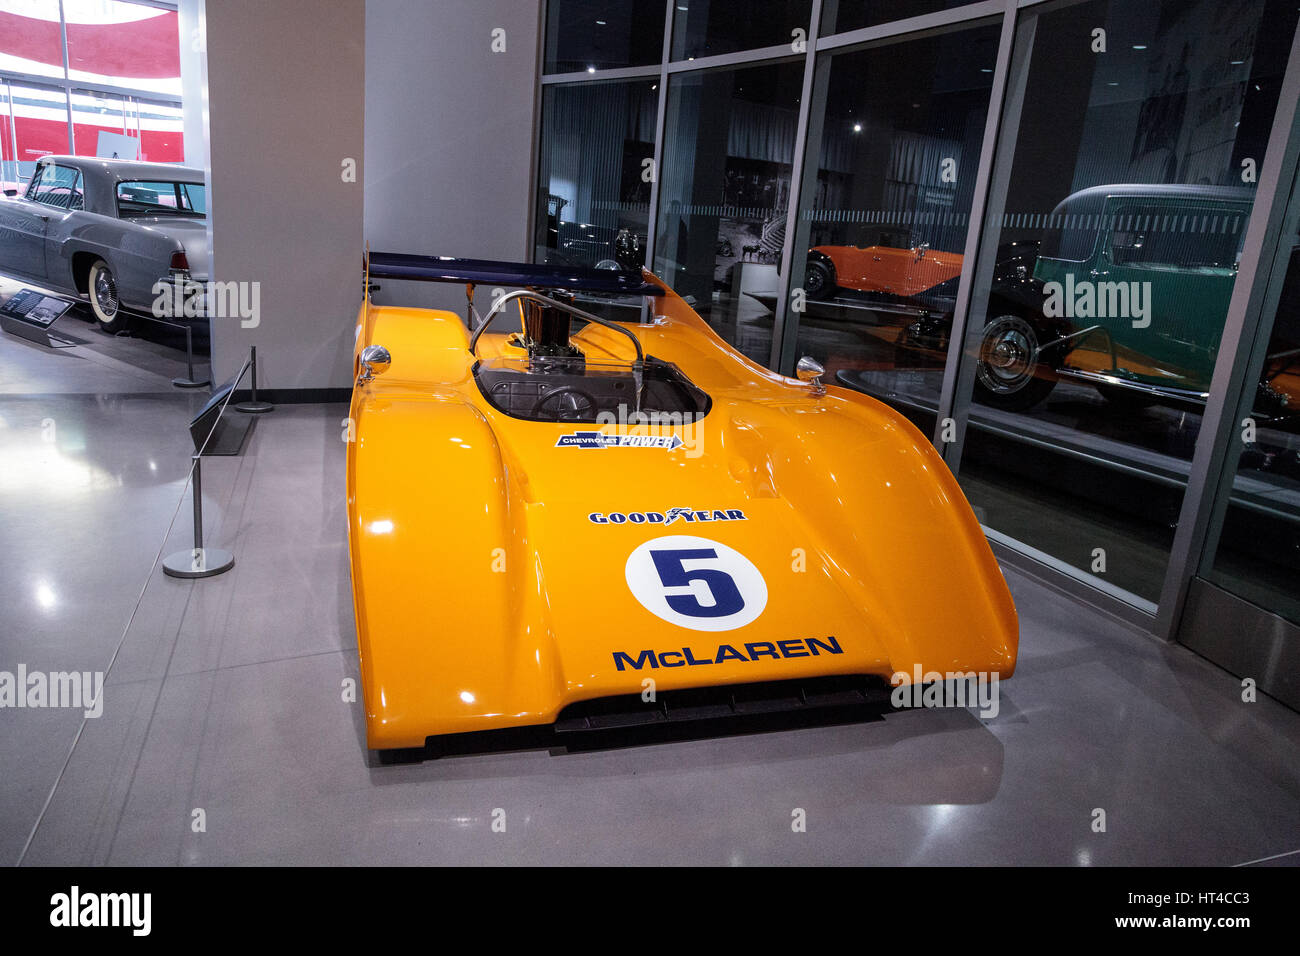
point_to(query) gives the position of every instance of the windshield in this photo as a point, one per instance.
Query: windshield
(136, 198)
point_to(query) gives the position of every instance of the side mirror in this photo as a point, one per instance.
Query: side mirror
(811, 371)
(375, 360)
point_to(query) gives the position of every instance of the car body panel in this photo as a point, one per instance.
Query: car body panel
(1190, 291)
(46, 244)
(902, 272)
(486, 596)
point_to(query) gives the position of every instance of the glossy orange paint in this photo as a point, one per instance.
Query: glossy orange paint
(896, 271)
(486, 596)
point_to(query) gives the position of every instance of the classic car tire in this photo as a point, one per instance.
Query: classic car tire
(1011, 374)
(102, 289)
(819, 280)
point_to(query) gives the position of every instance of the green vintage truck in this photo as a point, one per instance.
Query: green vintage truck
(1128, 294)
(1125, 289)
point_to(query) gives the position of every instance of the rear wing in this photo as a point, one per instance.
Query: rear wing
(397, 265)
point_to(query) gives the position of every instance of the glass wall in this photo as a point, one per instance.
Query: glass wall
(594, 180)
(1136, 151)
(125, 101)
(711, 27)
(841, 16)
(38, 126)
(1110, 213)
(884, 218)
(728, 153)
(594, 35)
(1255, 549)
(122, 44)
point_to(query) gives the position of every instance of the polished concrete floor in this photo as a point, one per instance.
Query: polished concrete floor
(224, 701)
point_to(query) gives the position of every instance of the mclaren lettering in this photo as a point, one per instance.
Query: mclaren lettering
(759, 650)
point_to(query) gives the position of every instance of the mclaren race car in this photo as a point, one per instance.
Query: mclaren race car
(583, 508)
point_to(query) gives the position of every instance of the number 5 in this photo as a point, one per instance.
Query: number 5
(674, 574)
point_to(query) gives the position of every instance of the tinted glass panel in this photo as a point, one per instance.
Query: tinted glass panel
(1142, 129)
(840, 16)
(710, 27)
(603, 34)
(724, 195)
(1258, 549)
(884, 221)
(593, 202)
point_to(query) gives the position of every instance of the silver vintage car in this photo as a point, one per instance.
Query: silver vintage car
(108, 231)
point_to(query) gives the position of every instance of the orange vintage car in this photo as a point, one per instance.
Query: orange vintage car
(902, 272)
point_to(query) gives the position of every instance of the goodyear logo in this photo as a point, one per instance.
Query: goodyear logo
(748, 653)
(667, 517)
(601, 440)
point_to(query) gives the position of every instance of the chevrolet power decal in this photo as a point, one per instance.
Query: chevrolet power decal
(601, 440)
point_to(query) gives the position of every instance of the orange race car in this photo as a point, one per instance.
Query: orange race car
(578, 521)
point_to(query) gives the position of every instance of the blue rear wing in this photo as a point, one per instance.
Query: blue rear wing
(397, 265)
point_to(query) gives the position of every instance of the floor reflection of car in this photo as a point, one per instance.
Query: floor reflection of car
(107, 231)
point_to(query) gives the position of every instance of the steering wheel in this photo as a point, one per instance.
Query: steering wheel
(578, 401)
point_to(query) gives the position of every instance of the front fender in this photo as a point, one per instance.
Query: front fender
(452, 628)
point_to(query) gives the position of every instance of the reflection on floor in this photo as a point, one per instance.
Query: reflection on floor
(146, 358)
(226, 697)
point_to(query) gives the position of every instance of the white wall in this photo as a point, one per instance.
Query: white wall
(449, 133)
(442, 128)
(286, 106)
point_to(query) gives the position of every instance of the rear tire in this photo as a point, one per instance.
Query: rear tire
(101, 285)
(1011, 374)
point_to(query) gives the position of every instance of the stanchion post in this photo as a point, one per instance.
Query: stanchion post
(253, 406)
(198, 562)
(189, 381)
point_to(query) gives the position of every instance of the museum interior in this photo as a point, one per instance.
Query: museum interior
(901, 268)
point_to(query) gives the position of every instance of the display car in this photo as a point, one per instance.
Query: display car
(590, 521)
(107, 231)
(1128, 294)
(899, 272)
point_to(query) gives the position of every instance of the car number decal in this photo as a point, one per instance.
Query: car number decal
(696, 583)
